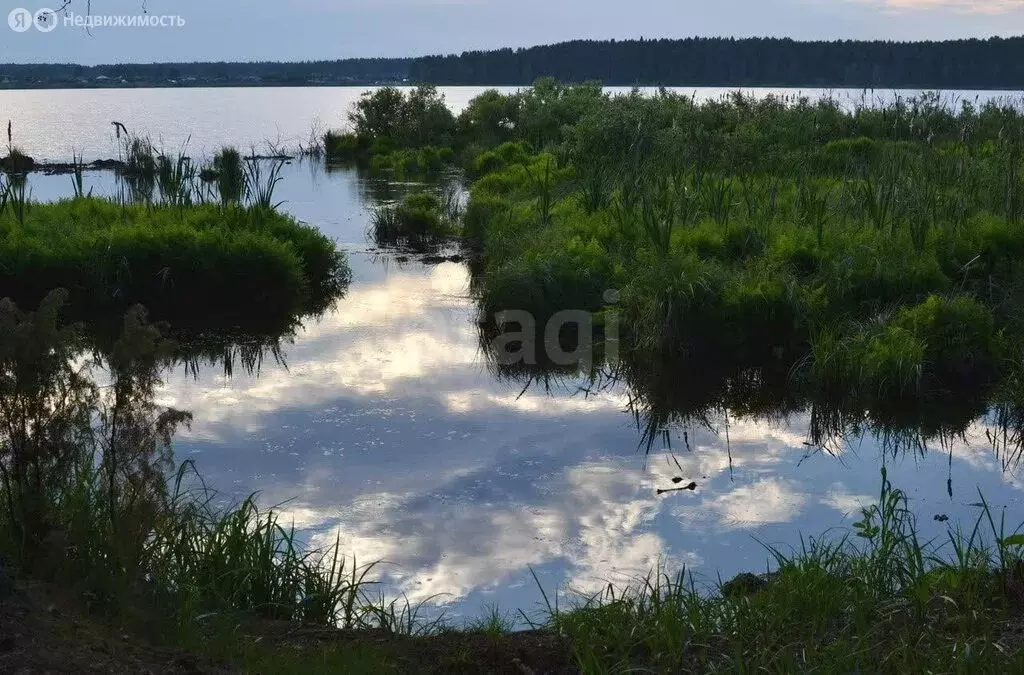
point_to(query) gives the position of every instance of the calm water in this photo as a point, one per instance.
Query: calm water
(384, 425)
(51, 125)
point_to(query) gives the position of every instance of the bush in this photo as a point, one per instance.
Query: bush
(412, 163)
(501, 157)
(847, 155)
(413, 120)
(345, 147)
(17, 161)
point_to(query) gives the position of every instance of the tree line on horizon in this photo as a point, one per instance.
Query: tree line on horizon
(995, 63)
(355, 71)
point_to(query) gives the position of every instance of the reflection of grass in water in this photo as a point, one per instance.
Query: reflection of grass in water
(685, 392)
(88, 505)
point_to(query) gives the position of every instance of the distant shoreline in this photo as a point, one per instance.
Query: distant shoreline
(359, 85)
(994, 64)
(203, 85)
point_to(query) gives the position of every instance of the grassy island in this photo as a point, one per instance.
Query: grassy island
(870, 253)
(184, 264)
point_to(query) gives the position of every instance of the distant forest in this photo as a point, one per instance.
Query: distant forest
(258, 73)
(996, 63)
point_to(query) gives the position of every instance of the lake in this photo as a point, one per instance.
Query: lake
(383, 423)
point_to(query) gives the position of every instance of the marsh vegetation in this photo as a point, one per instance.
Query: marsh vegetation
(861, 258)
(202, 248)
(747, 258)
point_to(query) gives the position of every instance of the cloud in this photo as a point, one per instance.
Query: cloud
(595, 520)
(839, 498)
(771, 500)
(960, 6)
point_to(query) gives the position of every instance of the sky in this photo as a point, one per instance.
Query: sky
(246, 30)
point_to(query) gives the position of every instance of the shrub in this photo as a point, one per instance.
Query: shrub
(345, 147)
(413, 120)
(17, 161)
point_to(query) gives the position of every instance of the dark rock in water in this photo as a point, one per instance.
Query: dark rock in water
(17, 162)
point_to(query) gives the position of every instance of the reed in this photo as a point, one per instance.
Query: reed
(230, 175)
(77, 176)
(261, 182)
(176, 180)
(419, 222)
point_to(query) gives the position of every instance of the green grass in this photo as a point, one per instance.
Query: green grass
(230, 175)
(184, 265)
(418, 222)
(879, 599)
(871, 253)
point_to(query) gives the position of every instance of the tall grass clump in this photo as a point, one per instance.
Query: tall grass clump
(16, 161)
(261, 182)
(880, 598)
(78, 177)
(176, 180)
(230, 175)
(418, 222)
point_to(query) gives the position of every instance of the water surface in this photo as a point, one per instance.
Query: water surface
(383, 423)
(55, 124)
